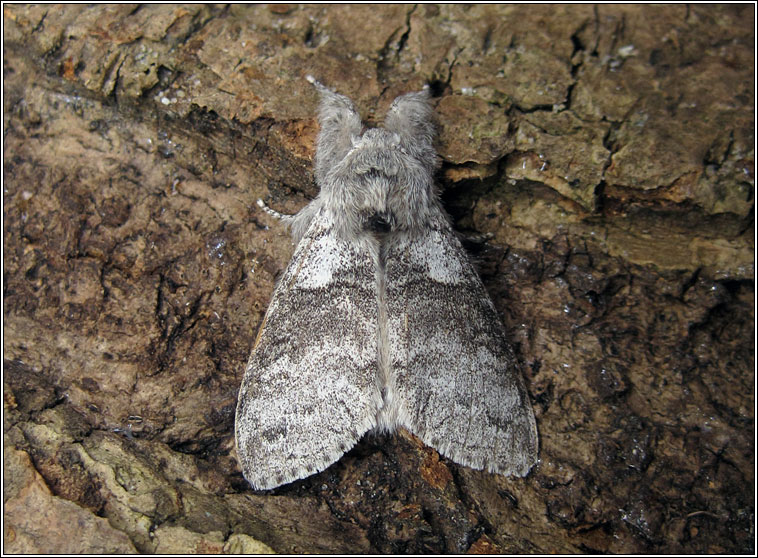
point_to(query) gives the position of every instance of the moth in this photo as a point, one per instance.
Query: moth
(380, 320)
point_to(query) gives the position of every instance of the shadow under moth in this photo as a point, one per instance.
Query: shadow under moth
(380, 320)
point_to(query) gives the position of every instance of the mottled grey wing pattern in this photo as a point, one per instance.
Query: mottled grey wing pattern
(317, 345)
(456, 382)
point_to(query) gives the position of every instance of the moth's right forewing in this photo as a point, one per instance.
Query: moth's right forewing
(310, 389)
(454, 380)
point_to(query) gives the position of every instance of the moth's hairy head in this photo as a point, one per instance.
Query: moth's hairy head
(385, 171)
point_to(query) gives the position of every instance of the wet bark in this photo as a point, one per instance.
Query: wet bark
(606, 151)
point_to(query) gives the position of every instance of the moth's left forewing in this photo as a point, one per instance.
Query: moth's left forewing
(310, 391)
(453, 379)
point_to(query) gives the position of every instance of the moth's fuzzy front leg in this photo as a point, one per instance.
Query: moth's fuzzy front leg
(297, 223)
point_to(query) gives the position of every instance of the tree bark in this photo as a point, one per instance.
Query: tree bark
(605, 151)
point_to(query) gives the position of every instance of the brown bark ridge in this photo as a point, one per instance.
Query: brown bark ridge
(607, 152)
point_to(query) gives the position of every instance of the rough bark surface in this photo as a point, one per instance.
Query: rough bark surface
(607, 151)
